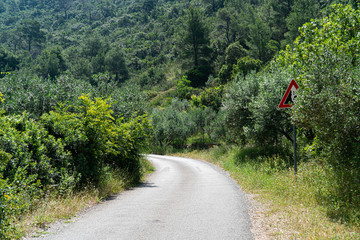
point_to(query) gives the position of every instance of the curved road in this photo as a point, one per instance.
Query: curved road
(182, 199)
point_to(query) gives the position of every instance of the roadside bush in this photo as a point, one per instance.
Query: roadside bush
(72, 146)
(216, 129)
(131, 138)
(250, 107)
(31, 161)
(238, 96)
(25, 144)
(325, 61)
(6, 210)
(270, 124)
(95, 138)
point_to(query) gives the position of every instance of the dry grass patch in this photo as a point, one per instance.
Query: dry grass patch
(53, 208)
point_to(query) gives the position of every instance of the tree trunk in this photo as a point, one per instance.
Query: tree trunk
(196, 60)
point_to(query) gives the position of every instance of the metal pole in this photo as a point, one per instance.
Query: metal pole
(294, 140)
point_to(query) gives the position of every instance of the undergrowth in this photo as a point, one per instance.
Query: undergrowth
(63, 152)
(53, 207)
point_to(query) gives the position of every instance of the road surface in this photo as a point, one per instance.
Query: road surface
(182, 199)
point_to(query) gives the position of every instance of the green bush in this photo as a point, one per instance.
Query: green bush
(225, 73)
(199, 75)
(237, 98)
(38, 96)
(31, 161)
(245, 65)
(270, 124)
(183, 89)
(29, 146)
(325, 61)
(209, 97)
(6, 209)
(131, 138)
(250, 107)
(128, 101)
(94, 138)
(50, 63)
(69, 147)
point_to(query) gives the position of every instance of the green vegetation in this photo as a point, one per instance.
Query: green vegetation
(87, 83)
(63, 150)
(133, 39)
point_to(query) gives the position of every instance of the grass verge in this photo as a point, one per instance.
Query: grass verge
(54, 207)
(292, 207)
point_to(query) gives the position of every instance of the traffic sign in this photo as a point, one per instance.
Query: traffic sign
(289, 97)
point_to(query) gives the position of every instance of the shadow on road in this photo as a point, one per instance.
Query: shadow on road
(146, 185)
(142, 185)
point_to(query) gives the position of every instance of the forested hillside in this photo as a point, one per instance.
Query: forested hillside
(85, 85)
(141, 40)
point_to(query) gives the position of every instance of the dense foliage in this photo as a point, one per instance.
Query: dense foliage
(63, 150)
(77, 77)
(132, 38)
(326, 58)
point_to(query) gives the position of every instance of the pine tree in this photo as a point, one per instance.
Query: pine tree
(196, 36)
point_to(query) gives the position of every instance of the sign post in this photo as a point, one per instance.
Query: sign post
(294, 141)
(287, 102)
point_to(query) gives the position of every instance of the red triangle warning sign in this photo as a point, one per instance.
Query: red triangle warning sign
(288, 99)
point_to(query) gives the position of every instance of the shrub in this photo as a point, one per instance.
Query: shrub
(95, 138)
(209, 97)
(128, 101)
(325, 61)
(50, 63)
(270, 124)
(245, 65)
(233, 52)
(250, 107)
(183, 89)
(237, 98)
(31, 161)
(225, 73)
(29, 146)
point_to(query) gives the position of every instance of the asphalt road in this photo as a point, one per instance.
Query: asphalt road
(182, 199)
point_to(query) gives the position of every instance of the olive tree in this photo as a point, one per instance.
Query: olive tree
(325, 62)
